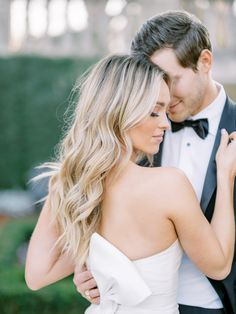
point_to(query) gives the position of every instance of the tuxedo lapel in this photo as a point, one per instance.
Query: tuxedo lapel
(228, 122)
(210, 179)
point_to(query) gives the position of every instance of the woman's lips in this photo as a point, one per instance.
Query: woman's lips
(158, 138)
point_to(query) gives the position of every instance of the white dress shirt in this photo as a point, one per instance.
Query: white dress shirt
(187, 151)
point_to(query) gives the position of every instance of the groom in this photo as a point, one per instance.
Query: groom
(180, 45)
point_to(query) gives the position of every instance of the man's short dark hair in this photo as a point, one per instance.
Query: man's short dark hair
(179, 30)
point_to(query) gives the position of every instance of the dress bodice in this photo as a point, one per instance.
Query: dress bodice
(143, 286)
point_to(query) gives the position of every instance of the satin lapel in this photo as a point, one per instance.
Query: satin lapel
(228, 121)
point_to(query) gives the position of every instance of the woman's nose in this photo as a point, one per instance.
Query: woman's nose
(165, 123)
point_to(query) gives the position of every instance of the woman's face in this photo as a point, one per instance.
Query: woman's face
(148, 134)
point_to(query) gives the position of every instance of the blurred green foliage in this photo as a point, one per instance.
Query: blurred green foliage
(34, 95)
(15, 297)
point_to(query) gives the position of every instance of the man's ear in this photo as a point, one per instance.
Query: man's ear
(204, 63)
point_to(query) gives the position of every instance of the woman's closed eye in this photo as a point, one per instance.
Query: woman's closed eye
(155, 114)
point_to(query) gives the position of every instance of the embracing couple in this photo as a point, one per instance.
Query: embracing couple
(142, 238)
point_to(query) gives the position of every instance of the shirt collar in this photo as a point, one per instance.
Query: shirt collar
(214, 110)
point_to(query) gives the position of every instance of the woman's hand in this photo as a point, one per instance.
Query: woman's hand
(86, 285)
(226, 155)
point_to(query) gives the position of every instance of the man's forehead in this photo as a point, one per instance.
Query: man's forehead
(166, 59)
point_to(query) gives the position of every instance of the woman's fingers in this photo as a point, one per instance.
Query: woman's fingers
(94, 296)
(224, 139)
(232, 136)
(86, 285)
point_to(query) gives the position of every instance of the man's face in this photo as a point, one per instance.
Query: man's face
(188, 88)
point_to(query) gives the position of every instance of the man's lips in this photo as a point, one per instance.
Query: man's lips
(173, 106)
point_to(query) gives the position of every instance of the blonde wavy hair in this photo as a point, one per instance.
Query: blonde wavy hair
(117, 94)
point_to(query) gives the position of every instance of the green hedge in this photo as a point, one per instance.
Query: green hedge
(15, 297)
(34, 95)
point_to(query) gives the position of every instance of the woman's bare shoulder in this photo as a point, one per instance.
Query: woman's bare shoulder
(147, 185)
(165, 176)
(167, 184)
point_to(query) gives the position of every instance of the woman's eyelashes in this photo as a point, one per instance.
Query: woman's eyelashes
(155, 114)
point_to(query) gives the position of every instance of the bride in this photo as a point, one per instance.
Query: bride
(128, 224)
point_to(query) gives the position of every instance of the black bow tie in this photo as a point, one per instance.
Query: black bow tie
(200, 126)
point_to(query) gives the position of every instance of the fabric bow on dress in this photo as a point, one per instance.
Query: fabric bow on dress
(118, 280)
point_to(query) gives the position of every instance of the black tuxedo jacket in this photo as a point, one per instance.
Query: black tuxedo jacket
(226, 288)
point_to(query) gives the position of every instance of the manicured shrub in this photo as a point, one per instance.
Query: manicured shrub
(35, 94)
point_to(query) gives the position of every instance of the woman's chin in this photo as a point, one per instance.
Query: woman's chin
(152, 151)
(147, 151)
(155, 150)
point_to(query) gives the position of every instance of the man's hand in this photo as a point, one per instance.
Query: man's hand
(86, 285)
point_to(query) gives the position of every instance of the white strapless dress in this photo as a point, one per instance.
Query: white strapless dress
(143, 286)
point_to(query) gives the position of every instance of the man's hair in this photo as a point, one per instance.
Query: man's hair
(179, 30)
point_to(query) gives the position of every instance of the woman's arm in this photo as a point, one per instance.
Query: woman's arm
(210, 246)
(44, 263)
